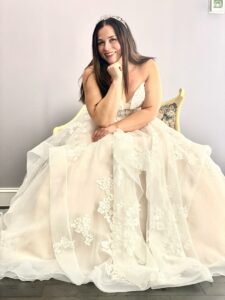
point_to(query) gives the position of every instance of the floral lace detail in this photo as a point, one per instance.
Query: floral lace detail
(168, 222)
(114, 274)
(182, 211)
(81, 125)
(156, 222)
(173, 248)
(140, 158)
(78, 126)
(63, 244)
(131, 222)
(105, 205)
(136, 157)
(83, 225)
(184, 150)
(75, 151)
(106, 246)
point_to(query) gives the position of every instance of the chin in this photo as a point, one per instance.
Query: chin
(112, 61)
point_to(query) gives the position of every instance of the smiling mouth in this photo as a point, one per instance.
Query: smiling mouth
(109, 54)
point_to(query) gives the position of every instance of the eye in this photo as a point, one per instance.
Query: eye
(113, 39)
(100, 43)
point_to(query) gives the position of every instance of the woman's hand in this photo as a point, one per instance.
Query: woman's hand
(115, 70)
(103, 131)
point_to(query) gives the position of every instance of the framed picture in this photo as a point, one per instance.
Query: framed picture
(217, 6)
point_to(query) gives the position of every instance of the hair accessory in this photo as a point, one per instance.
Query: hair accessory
(105, 17)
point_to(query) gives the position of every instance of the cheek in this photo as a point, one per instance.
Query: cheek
(118, 48)
(100, 50)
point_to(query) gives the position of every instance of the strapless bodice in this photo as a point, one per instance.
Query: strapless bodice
(134, 104)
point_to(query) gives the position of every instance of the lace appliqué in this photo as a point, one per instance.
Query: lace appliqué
(81, 126)
(114, 274)
(168, 221)
(173, 248)
(156, 222)
(179, 217)
(83, 225)
(106, 246)
(105, 205)
(75, 151)
(63, 244)
(127, 151)
(131, 223)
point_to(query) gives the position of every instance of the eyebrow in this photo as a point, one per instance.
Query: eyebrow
(108, 37)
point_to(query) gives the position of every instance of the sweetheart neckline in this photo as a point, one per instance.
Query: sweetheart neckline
(135, 92)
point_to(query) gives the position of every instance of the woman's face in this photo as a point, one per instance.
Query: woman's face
(108, 44)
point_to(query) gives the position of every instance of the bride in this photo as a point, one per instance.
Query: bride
(117, 198)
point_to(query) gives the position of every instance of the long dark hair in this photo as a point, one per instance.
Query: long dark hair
(128, 51)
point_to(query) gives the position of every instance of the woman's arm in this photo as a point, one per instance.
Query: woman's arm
(103, 110)
(149, 109)
(151, 104)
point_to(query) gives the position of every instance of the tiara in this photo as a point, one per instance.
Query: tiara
(105, 17)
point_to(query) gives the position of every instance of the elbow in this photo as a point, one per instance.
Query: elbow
(102, 122)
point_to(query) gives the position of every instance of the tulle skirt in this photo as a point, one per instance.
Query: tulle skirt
(135, 210)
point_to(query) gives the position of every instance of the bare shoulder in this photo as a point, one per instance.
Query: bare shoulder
(150, 68)
(89, 71)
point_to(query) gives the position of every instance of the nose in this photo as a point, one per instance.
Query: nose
(107, 46)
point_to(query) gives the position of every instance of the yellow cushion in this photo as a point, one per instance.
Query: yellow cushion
(169, 113)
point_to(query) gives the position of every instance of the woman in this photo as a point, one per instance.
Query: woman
(115, 59)
(118, 197)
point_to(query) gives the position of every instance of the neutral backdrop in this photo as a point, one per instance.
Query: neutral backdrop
(45, 45)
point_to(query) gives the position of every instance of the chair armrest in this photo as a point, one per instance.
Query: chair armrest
(58, 128)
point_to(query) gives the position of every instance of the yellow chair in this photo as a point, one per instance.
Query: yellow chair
(169, 113)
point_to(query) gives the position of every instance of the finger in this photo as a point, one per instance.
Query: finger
(97, 131)
(94, 134)
(100, 136)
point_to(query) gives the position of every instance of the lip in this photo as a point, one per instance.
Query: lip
(109, 54)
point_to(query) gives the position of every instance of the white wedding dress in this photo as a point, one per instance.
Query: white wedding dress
(132, 211)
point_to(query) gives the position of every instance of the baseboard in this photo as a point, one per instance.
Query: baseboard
(6, 195)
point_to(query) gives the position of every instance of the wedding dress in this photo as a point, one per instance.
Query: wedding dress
(132, 211)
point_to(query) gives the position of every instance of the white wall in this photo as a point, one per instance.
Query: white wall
(45, 44)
